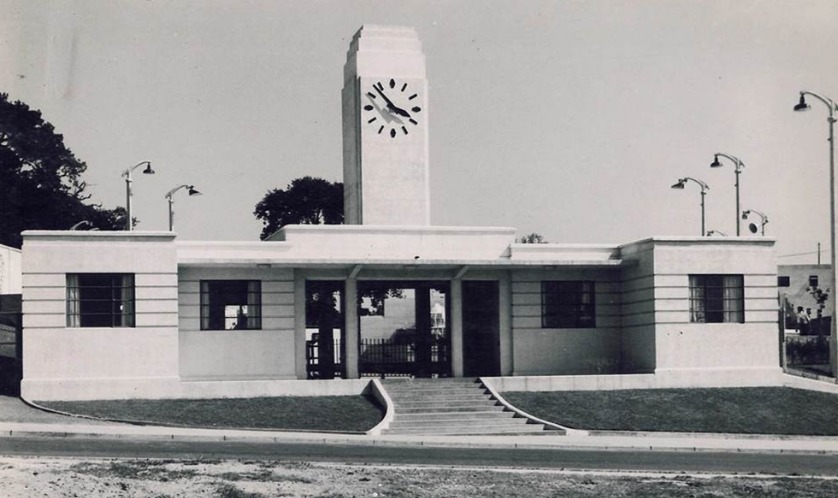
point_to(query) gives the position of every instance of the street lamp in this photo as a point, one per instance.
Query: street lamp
(704, 188)
(739, 165)
(129, 225)
(763, 220)
(830, 105)
(190, 189)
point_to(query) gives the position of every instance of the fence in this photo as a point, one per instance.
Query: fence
(11, 344)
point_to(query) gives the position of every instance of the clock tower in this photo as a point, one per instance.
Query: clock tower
(385, 129)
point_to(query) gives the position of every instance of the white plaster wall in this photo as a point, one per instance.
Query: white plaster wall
(55, 354)
(638, 309)
(238, 354)
(696, 349)
(540, 351)
(346, 242)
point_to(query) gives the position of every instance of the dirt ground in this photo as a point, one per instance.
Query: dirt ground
(71, 477)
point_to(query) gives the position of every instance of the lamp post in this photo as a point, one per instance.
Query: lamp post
(739, 165)
(704, 188)
(129, 225)
(169, 196)
(830, 105)
(763, 220)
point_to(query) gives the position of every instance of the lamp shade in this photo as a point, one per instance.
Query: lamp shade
(802, 105)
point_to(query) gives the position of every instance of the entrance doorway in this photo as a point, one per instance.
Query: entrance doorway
(325, 347)
(403, 328)
(481, 329)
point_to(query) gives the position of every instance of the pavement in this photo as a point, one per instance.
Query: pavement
(20, 420)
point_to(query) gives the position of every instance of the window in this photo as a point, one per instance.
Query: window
(813, 281)
(231, 304)
(100, 300)
(783, 281)
(567, 304)
(717, 299)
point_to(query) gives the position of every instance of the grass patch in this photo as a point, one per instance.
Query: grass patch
(757, 410)
(313, 413)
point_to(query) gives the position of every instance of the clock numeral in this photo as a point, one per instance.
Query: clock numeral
(370, 95)
(368, 107)
(392, 133)
(404, 130)
(392, 83)
(372, 119)
(413, 121)
(379, 86)
(404, 86)
(381, 129)
(416, 109)
(412, 96)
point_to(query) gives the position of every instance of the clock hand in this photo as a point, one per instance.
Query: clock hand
(390, 105)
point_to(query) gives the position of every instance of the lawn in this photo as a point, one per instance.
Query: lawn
(314, 413)
(762, 410)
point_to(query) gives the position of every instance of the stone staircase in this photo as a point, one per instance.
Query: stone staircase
(452, 406)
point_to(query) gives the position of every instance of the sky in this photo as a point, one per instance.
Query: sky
(567, 118)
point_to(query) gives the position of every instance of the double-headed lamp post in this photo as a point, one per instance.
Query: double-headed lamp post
(763, 220)
(704, 188)
(739, 165)
(830, 105)
(129, 225)
(169, 196)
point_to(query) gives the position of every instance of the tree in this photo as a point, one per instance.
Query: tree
(305, 201)
(41, 184)
(533, 238)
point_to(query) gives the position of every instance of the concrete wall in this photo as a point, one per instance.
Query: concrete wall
(62, 362)
(638, 309)
(692, 350)
(381, 243)
(541, 351)
(11, 271)
(238, 354)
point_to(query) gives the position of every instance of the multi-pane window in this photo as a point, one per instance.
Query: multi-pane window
(100, 300)
(231, 304)
(717, 299)
(567, 304)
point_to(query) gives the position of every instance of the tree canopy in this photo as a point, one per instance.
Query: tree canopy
(532, 238)
(41, 184)
(305, 201)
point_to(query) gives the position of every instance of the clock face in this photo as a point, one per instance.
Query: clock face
(391, 107)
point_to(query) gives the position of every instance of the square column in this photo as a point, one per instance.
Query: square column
(505, 325)
(351, 330)
(300, 367)
(456, 327)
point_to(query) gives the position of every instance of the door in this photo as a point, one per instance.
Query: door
(481, 328)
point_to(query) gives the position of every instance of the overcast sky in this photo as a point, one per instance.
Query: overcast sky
(571, 119)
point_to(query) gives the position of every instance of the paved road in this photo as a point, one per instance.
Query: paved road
(784, 464)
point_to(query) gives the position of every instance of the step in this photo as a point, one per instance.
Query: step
(440, 398)
(457, 422)
(442, 416)
(435, 390)
(474, 430)
(437, 406)
(448, 409)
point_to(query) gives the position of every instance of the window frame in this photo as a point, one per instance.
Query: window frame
(573, 303)
(716, 297)
(209, 319)
(86, 295)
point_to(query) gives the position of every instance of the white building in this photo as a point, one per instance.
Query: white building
(141, 314)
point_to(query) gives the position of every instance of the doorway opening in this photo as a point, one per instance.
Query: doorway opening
(481, 329)
(403, 328)
(325, 345)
